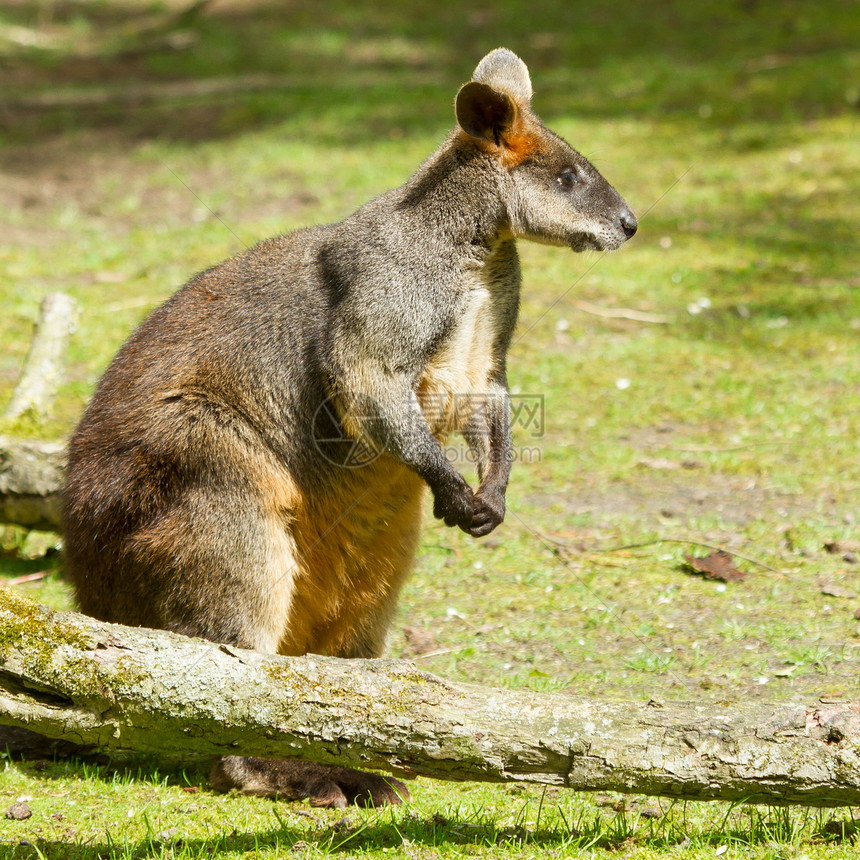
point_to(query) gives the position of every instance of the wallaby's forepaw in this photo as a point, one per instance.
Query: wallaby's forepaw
(488, 511)
(454, 504)
(321, 784)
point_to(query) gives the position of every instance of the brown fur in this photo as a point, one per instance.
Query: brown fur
(347, 577)
(519, 146)
(514, 147)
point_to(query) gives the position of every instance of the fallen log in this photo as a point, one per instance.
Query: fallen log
(31, 476)
(43, 368)
(68, 676)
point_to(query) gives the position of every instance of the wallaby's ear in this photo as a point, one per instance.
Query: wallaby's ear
(484, 112)
(503, 70)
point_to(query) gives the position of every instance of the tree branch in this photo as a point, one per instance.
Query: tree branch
(68, 676)
(43, 368)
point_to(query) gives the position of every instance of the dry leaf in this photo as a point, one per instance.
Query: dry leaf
(833, 590)
(418, 641)
(659, 463)
(108, 277)
(836, 547)
(29, 577)
(718, 566)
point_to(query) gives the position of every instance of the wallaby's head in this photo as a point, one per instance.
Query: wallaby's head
(549, 191)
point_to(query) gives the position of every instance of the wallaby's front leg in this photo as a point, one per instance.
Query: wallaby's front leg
(488, 433)
(388, 416)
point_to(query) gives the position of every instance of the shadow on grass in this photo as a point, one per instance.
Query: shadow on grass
(607, 833)
(360, 71)
(183, 771)
(13, 565)
(343, 837)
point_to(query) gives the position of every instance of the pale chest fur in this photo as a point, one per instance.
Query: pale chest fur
(457, 377)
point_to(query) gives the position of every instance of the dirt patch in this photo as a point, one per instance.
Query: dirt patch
(682, 497)
(42, 178)
(96, 176)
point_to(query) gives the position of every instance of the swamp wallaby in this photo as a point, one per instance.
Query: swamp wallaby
(212, 488)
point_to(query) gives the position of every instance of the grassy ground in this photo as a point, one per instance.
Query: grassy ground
(732, 130)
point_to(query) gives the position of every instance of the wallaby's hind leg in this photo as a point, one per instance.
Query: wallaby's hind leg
(322, 784)
(342, 609)
(223, 566)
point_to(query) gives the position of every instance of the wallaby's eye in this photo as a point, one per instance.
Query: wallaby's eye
(568, 178)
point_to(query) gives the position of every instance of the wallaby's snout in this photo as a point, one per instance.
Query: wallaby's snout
(601, 220)
(629, 224)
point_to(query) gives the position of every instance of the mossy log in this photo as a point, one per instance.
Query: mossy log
(68, 676)
(31, 477)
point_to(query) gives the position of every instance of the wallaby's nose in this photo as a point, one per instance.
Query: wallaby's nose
(629, 223)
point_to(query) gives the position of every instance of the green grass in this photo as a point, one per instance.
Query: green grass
(732, 130)
(147, 811)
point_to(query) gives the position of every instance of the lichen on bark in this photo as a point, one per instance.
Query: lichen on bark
(70, 676)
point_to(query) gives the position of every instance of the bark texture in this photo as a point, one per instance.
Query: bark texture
(43, 369)
(68, 676)
(31, 476)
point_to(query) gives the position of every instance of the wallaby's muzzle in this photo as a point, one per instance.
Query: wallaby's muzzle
(629, 224)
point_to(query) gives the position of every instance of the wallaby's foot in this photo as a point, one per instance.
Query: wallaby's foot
(322, 784)
(476, 514)
(454, 502)
(488, 511)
